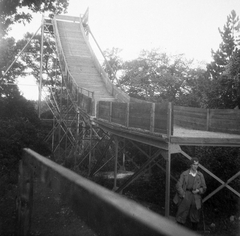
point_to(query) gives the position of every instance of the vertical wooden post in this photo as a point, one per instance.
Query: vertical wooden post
(168, 162)
(208, 119)
(77, 138)
(170, 120)
(24, 201)
(83, 135)
(41, 69)
(127, 115)
(124, 153)
(90, 153)
(53, 134)
(115, 163)
(152, 124)
(150, 154)
(95, 108)
(168, 175)
(60, 114)
(110, 112)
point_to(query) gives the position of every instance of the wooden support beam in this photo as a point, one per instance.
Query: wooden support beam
(127, 116)
(139, 172)
(90, 151)
(152, 121)
(168, 159)
(115, 162)
(124, 153)
(167, 191)
(223, 184)
(98, 165)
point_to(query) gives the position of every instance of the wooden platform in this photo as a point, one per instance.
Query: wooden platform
(141, 122)
(183, 136)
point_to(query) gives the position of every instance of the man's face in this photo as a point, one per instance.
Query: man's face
(195, 165)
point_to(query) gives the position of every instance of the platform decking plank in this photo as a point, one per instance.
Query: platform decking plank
(185, 136)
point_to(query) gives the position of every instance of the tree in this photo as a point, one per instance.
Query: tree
(156, 76)
(232, 73)
(198, 89)
(223, 86)
(13, 11)
(114, 63)
(8, 50)
(229, 41)
(32, 58)
(20, 128)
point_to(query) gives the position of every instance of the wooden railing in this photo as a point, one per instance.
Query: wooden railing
(153, 117)
(105, 212)
(215, 120)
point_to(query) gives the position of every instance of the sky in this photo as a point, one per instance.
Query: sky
(188, 27)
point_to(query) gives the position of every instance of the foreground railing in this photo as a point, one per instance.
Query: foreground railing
(105, 212)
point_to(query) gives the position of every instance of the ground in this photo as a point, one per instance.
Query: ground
(53, 217)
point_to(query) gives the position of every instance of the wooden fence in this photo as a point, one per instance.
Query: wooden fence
(153, 117)
(105, 212)
(215, 120)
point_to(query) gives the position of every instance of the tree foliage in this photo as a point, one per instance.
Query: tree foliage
(232, 74)
(8, 51)
(224, 95)
(31, 57)
(222, 55)
(20, 11)
(114, 63)
(156, 76)
(20, 128)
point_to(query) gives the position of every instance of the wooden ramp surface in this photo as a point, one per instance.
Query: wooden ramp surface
(79, 60)
(186, 136)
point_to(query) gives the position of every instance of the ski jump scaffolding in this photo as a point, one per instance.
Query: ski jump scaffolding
(88, 108)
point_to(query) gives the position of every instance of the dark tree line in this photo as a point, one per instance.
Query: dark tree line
(20, 126)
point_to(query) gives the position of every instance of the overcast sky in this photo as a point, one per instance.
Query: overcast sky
(174, 26)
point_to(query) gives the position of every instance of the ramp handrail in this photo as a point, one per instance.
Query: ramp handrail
(117, 93)
(105, 212)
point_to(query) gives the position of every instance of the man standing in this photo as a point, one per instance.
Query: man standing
(190, 187)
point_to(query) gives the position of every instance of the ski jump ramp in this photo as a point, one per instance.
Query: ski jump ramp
(79, 62)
